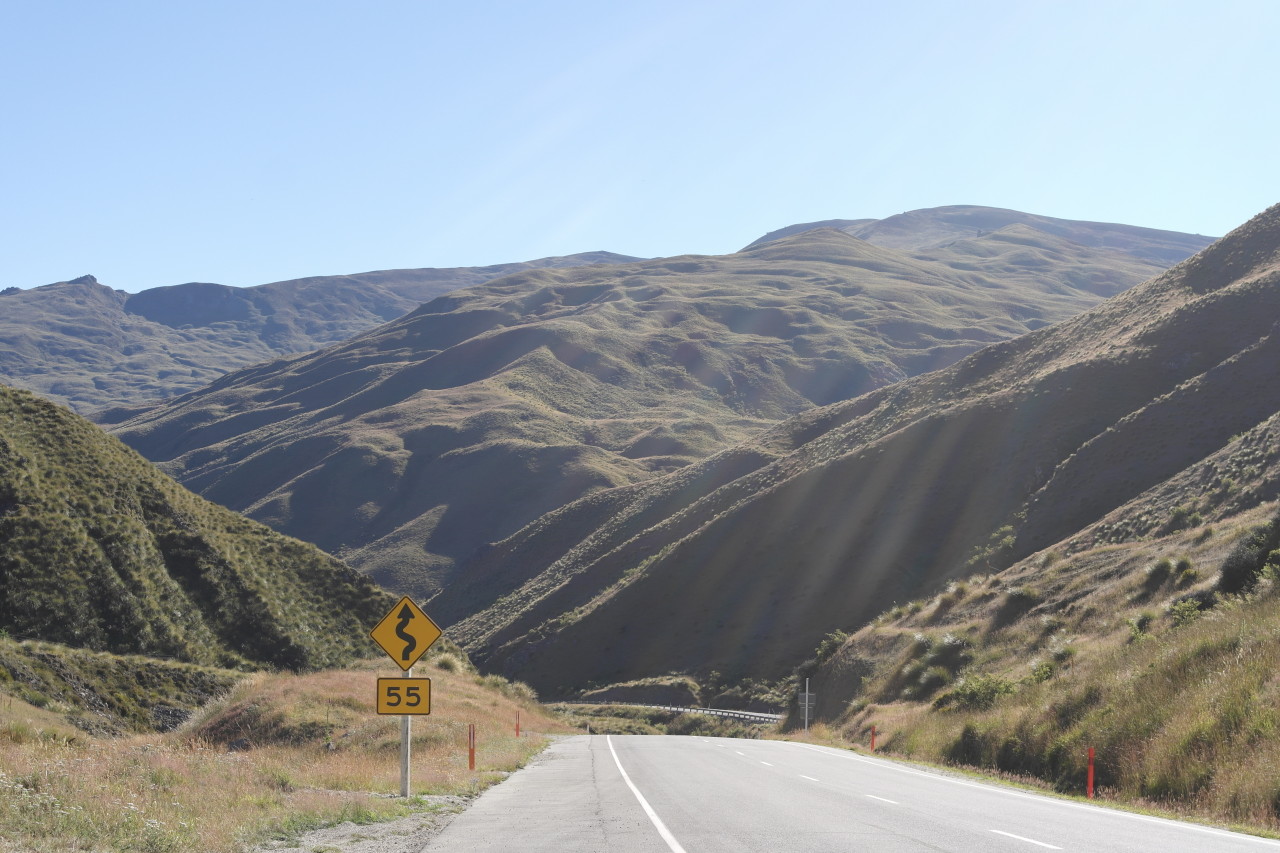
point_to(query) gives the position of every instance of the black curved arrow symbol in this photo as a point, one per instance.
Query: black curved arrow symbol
(411, 643)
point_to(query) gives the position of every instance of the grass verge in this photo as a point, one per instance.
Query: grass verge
(279, 755)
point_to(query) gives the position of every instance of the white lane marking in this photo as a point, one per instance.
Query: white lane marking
(810, 778)
(889, 765)
(1028, 840)
(881, 799)
(644, 804)
(766, 764)
(740, 753)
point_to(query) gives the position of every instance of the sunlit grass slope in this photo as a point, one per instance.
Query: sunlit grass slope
(100, 550)
(308, 751)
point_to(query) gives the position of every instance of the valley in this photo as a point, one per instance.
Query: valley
(826, 520)
(1001, 486)
(571, 382)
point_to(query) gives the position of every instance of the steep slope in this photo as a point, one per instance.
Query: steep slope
(411, 446)
(85, 345)
(100, 550)
(743, 562)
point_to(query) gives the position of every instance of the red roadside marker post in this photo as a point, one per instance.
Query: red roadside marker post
(873, 738)
(1089, 784)
(517, 722)
(471, 746)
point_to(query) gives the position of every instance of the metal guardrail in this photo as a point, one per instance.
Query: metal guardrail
(749, 716)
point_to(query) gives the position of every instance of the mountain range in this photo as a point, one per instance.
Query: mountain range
(91, 347)
(742, 562)
(410, 448)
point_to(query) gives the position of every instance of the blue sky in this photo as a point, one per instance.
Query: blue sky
(154, 143)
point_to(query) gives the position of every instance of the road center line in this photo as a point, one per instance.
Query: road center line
(740, 753)
(766, 764)
(810, 778)
(1028, 840)
(882, 799)
(644, 804)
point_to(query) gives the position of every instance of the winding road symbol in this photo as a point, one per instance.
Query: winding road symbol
(410, 642)
(405, 633)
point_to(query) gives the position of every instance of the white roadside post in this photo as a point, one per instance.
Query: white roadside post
(406, 744)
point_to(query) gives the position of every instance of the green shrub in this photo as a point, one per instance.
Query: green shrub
(1242, 567)
(1139, 624)
(830, 645)
(1181, 518)
(1017, 602)
(927, 682)
(1064, 654)
(1042, 671)
(975, 693)
(1184, 612)
(1157, 574)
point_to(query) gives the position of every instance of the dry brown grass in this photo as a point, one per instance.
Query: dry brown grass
(1183, 708)
(61, 790)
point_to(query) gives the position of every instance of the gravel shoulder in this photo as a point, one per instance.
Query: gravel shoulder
(402, 835)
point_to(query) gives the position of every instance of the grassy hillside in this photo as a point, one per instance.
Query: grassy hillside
(744, 562)
(272, 757)
(100, 550)
(103, 693)
(1159, 651)
(90, 347)
(409, 448)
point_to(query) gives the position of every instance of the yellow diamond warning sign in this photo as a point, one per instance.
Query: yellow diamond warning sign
(405, 633)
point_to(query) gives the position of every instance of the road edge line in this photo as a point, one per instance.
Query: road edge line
(644, 804)
(890, 764)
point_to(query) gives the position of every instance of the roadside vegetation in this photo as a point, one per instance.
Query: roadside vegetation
(641, 720)
(1163, 654)
(277, 755)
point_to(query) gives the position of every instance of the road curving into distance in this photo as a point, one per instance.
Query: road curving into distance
(667, 794)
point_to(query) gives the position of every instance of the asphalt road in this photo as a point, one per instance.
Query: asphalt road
(653, 794)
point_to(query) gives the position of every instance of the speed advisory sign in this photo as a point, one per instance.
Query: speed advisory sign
(404, 695)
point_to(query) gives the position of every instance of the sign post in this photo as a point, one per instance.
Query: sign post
(806, 701)
(405, 634)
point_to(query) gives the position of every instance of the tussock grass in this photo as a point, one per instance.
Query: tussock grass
(308, 751)
(100, 550)
(1126, 648)
(108, 694)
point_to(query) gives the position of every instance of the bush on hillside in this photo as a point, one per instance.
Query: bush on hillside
(1244, 565)
(975, 693)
